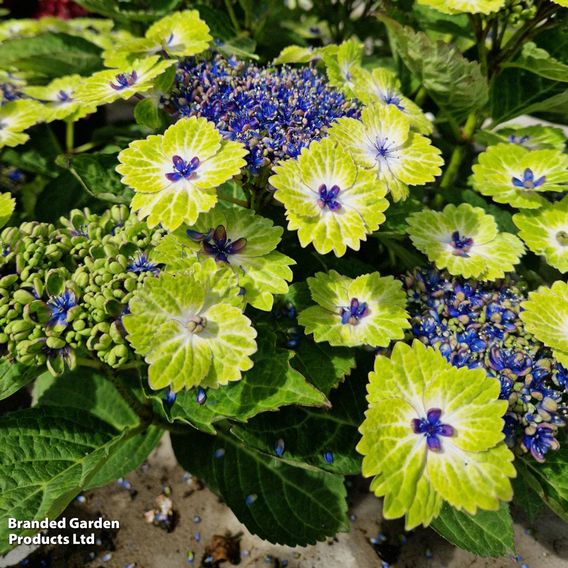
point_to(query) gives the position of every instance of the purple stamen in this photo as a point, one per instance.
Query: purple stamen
(63, 97)
(432, 428)
(528, 181)
(124, 80)
(183, 169)
(215, 243)
(393, 99)
(461, 245)
(328, 197)
(354, 312)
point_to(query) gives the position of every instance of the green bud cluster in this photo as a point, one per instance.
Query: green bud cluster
(63, 291)
(521, 11)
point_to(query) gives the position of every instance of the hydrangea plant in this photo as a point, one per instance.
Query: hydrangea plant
(308, 242)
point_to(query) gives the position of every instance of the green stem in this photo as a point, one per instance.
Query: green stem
(144, 411)
(421, 96)
(69, 135)
(232, 15)
(457, 156)
(234, 200)
(86, 362)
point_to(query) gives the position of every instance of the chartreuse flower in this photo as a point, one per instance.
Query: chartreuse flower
(180, 34)
(382, 86)
(25, 27)
(237, 238)
(545, 231)
(340, 64)
(7, 206)
(299, 54)
(511, 174)
(112, 84)
(546, 317)
(58, 98)
(190, 328)
(175, 175)
(433, 433)
(15, 117)
(382, 141)
(329, 201)
(466, 241)
(467, 6)
(534, 137)
(367, 310)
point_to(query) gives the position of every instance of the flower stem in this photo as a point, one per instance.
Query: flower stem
(69, 135)
(234, 200)
(457, 156)
(234, 21)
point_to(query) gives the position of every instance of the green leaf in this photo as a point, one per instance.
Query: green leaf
(84, 389)
(526, 493)
(324, 366)
(14, 376)
(487, 533)
(91, 392)
(47, 456)
(516, 91)
(540, 62)
(307, 434)
(59, 196)
(131, 11)
(550, 480)
(397, 215)
(96, 174)
(51, 55)
(38, 154)
(455, 84)
(147, 114)
(218, 21)
(269, 385)
(278, 502)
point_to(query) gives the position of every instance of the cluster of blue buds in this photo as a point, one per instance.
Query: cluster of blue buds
(475, 324)
(64, 290)
(274, 112)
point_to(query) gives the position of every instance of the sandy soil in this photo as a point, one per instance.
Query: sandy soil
(205, 530)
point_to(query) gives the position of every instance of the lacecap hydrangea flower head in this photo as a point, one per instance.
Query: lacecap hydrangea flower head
(465, 240)
(545, 232)
(546, 316)
(239, 239)
(383, 141)
(190, 328)
(331, 202)
(176, 174)
(367, 310)
(478, 325)
(516, 176)
(273, 112)
(433, 433)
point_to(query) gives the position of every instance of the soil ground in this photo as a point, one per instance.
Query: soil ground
(206, 530)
